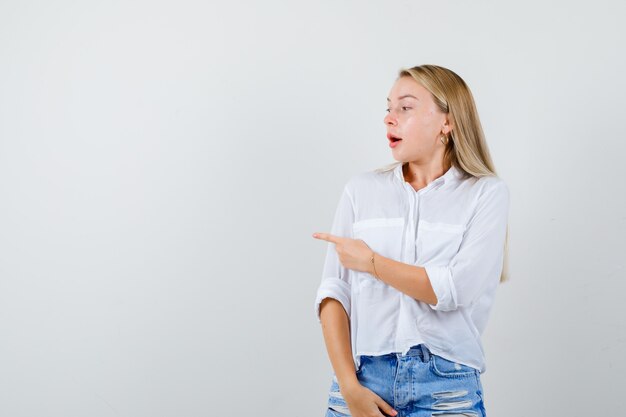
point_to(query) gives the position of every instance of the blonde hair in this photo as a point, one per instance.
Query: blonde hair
(466, 148)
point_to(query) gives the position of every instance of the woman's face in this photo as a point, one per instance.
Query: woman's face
(413, 117)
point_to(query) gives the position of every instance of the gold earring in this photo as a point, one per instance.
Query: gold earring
(442, 139)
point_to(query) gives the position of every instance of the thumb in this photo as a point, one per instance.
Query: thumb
(386, 408)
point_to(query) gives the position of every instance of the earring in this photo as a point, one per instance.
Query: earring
(444, 139)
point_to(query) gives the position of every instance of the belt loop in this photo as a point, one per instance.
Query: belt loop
(425, 352)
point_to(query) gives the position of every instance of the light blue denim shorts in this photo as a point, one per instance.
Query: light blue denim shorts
(418, 384)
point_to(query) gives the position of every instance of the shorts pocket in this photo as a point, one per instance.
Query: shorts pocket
(362, 359)
(336, 404)
(449, 369)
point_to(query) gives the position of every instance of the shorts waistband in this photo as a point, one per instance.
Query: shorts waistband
(420, 350)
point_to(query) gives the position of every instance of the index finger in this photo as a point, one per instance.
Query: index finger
(328, 237)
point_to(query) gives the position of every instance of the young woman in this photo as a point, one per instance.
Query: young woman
(415, 254)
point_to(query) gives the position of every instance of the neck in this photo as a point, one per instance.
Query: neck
(422, 174)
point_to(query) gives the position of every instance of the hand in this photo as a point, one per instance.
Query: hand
(353, 253)
(364, 402)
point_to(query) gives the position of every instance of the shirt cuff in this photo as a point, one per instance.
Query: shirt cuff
(443, 286)
(334, 288)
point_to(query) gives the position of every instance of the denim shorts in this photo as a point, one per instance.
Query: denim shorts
(418, 384)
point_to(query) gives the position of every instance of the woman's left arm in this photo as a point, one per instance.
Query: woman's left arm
(476, 265)
(409, 279)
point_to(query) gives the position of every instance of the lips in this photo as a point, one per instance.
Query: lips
(393, 138)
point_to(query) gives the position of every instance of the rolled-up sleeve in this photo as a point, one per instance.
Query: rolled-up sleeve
(335, 278)
(478, 263)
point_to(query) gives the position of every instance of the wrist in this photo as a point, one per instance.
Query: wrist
(348, 383)
(373, 259)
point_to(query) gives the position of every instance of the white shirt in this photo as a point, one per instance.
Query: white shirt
(455, 228)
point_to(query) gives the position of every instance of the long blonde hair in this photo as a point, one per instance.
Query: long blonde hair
(467, 148)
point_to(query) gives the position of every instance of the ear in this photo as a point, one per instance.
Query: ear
(447, 126)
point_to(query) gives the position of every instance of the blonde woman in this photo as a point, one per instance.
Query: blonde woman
(415, 254)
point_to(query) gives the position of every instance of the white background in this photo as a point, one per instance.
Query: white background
(163, 166)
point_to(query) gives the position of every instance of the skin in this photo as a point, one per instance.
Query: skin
(413, 116)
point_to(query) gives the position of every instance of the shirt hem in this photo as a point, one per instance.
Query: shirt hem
(435, 351)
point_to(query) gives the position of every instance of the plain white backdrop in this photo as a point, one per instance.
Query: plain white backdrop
(163, 166)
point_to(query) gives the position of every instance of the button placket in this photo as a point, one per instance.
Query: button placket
(416, 222)
(409, 253)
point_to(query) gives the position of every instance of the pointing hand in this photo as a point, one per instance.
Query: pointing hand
(353, 253)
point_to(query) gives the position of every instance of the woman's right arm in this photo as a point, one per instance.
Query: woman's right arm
(333, 299)
(336, 330)
(333, 308)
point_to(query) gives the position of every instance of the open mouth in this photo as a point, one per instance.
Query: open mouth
(393, 138)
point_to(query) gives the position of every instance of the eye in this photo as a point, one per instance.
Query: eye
(387, 110)
(405, 108)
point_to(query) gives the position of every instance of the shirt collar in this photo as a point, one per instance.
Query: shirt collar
(449, 175)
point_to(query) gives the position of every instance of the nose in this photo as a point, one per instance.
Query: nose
(390, 119)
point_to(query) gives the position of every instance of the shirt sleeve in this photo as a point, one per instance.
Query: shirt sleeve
(479, 260)
(336, 281)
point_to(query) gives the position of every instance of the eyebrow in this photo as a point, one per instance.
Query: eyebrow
(404, 96)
